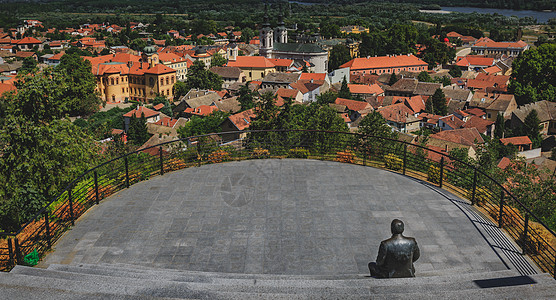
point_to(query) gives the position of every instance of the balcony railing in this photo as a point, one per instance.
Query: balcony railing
(461, 178)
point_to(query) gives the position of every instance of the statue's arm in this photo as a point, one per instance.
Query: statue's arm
(416, 252)
(381, 257)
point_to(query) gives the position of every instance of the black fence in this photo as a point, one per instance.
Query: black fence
(490, 196)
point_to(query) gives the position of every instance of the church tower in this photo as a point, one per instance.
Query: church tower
(281, 33)
(266, 37)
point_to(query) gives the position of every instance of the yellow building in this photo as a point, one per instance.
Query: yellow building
(355, 29)
(254, 67)
(123, 77)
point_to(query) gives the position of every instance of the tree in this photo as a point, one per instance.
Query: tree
(429, 106)
(41, 150)
(439, 103)
(203, 125)
(199, 77)
(531, 128)
(246, 97)
(137, 132)
(329, 30)
(499, 126)
(534, 75)
(374, 124)
(455, 71)
(344, 90)
(393, 79)
(436, 52)
(29, 66)
(180, 89)
(327, 97)
(80, 93)
(218, 60)
(424, 77)
(338, 56)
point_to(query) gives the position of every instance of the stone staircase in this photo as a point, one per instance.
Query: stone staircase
(121, 281)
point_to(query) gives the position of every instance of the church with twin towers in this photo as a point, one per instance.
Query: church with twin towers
(274, 44)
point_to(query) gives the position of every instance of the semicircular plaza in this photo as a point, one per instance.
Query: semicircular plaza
(272, 216)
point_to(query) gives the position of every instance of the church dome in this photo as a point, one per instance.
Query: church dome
(150, 49)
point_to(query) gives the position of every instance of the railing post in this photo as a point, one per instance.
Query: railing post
(198, 153)
(161, 161)
(18, 256)
(96, 188)
(47, 229)
(474, 187)
(70, 201)
(501, 214)
(441, 172)
(404, 158)
(524, 238)
(364, 154)
(11, 252)
(126, 173)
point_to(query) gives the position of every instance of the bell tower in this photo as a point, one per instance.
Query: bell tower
(266, 37)
(281, 33)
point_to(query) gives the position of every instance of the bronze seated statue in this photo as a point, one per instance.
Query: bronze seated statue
(395, 255)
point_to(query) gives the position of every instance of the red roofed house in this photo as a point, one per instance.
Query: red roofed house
(487, 46)
(364, 90)
(237, 122)
(483, 126)
(151, 116)
(294, 94)
(27, 43)
(474, 62)
(523, 143)
(254, 67)
(400, 117)
(386, 64)
(356, 108)
(202, 110)
(450, 122)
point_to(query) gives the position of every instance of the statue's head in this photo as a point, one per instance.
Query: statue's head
(396, 226)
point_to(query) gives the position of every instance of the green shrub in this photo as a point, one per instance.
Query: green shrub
(298, 153)
(433, 174)
(393, 162)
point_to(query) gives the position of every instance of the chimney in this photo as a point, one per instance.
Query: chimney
(446, 148)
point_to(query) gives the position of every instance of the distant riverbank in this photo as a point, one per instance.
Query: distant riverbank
(541, 16)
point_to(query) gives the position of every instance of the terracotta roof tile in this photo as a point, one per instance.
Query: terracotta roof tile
(138, 112)
(260, 62)
(352, 104)
(517, 140)
(242, 120)
(384, 62)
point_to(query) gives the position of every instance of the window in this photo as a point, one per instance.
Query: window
(111, 81)
(172, 79)
(117, 80)
(167, 80)
(161, 81)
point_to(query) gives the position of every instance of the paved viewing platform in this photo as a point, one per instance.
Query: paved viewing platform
(277, 229)
(277, 217)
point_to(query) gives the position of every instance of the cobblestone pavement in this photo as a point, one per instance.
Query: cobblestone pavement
(277, 217)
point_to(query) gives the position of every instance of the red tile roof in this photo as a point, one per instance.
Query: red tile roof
(138, 112)
(475, 60)
(28, 40)
(384, 62)
(312, 76)
(167, 121)
(243, 119)
(416, 103)
(251, 62)
(486, 42)
(452, 121)
(202, 110)
(353, 104)
(287, 93)
(504, 163)
(281, 62)
(159, 106)
(517, 140)
(365, 89)
(160, 69)
(479, 123)
(464, 136)
(6, 87)
(398, 113)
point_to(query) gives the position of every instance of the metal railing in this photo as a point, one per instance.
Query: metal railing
(483, 191)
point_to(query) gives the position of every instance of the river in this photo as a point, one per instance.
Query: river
(541, 16)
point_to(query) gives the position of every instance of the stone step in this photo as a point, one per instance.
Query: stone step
(77, 283)
(364, 286)
(135, 271)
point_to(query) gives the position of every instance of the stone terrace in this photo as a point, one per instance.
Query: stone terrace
(293, 217)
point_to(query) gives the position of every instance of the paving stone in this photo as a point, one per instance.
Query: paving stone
(274, 216)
